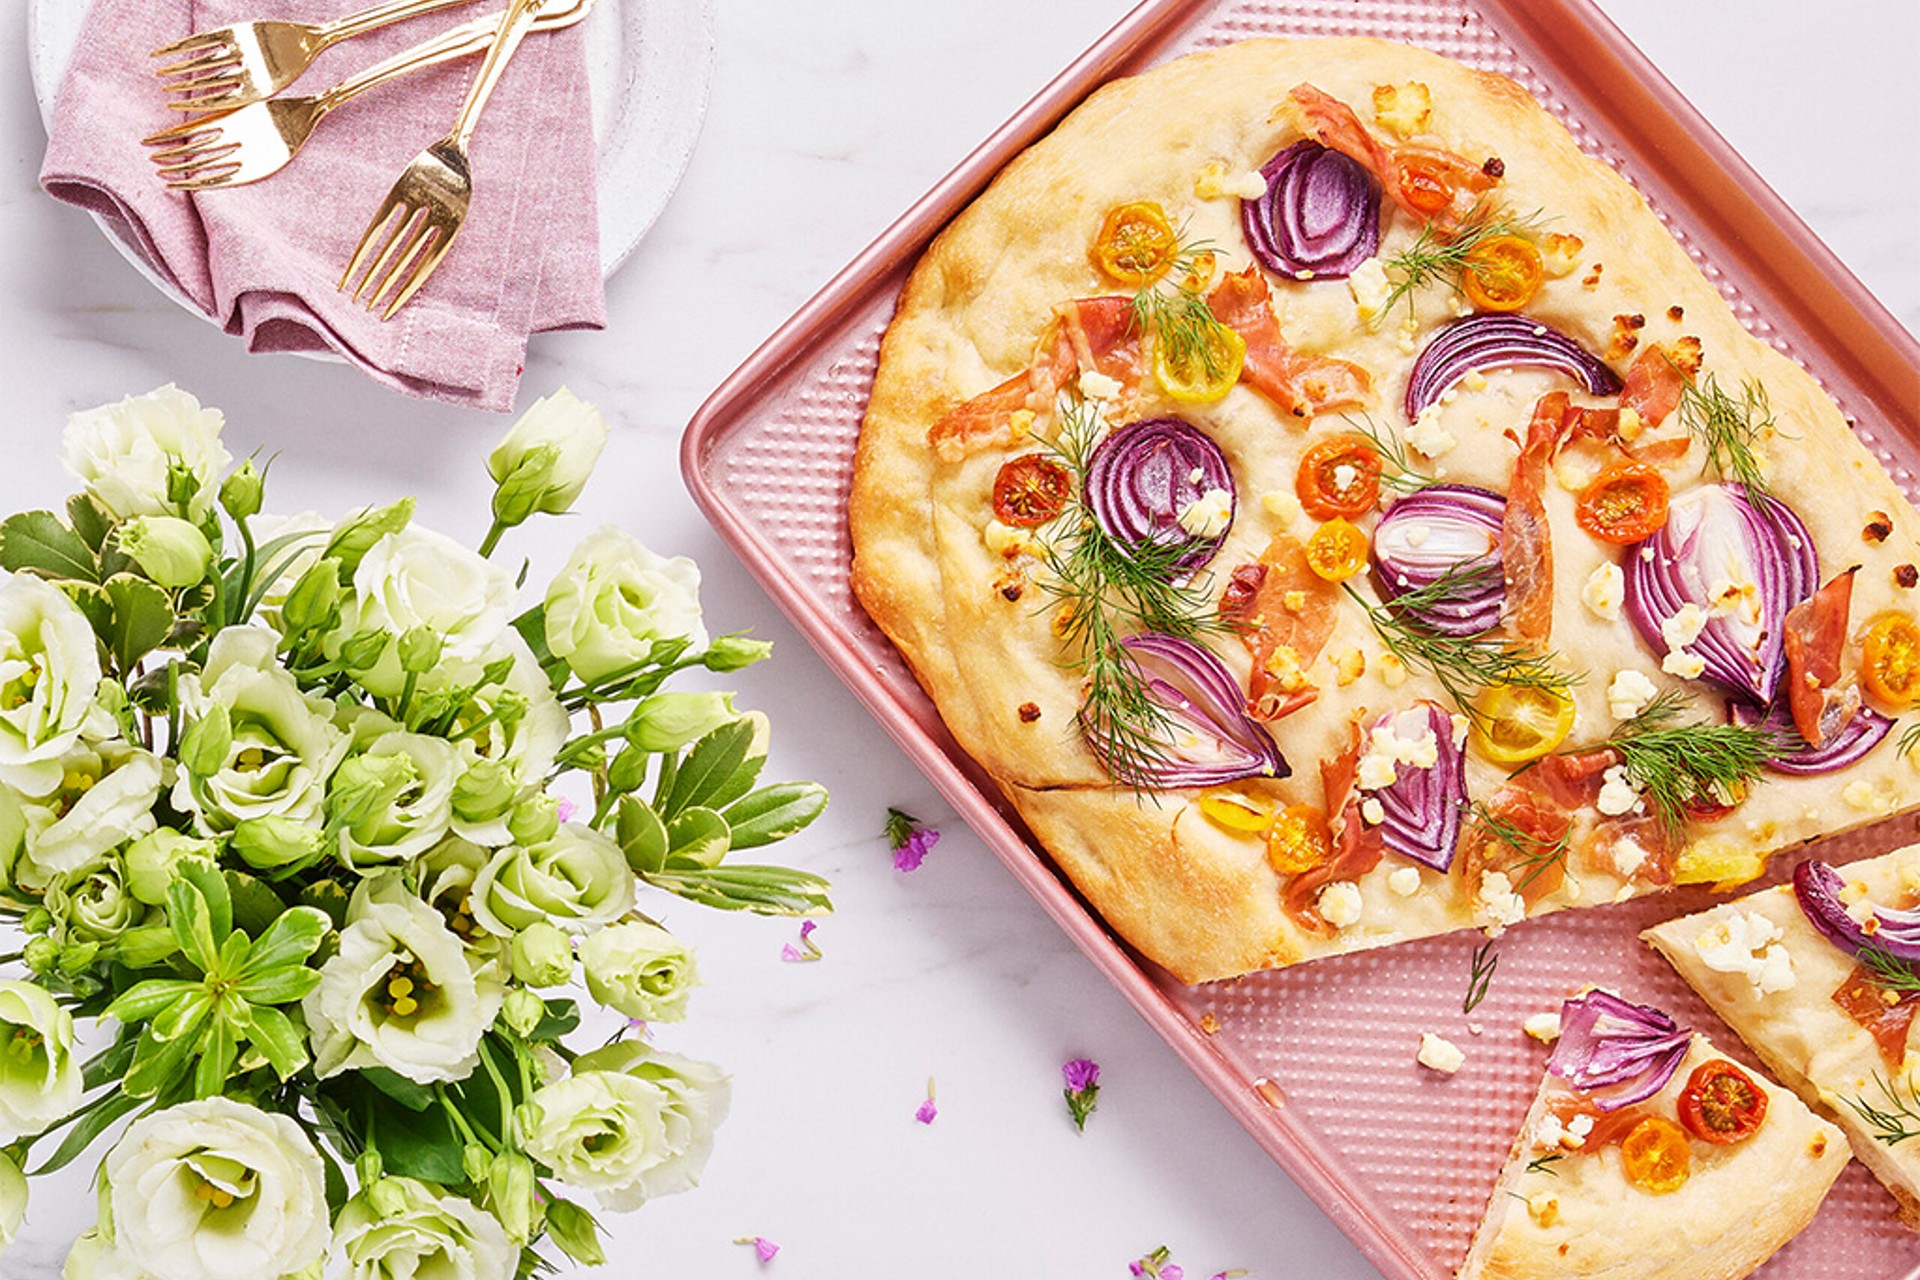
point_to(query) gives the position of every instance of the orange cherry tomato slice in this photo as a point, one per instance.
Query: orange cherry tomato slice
(1339, 476)
(1424, 185)
(1656, 1156)
(1136, 243)
(1721, 1104)
(1031, 490)
(1627, 502)
(1337, 550)
(1299, 840)
(1890, 660)
(1502, 273)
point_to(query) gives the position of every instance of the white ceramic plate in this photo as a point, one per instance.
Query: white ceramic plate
(649, 63)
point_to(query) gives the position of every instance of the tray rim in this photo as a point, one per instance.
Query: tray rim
(1776, 250)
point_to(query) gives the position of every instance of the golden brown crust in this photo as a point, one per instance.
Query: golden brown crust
(980, 302)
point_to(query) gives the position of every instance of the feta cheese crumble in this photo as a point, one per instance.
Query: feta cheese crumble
(1404, 881)
(1208, 515)
(1339, 904)
(1544, 1027)
(1617, 793)
(1687, 666)
(1683, 626)
(1606, 587)
(1427, 436)
(1095, 385)
(1748, 944)
(1629, 693)
(1369, 286)
(1498, 903)
(1438, 1054)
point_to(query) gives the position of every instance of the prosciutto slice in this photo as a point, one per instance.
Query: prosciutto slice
(1332, 123)
(1301, 385)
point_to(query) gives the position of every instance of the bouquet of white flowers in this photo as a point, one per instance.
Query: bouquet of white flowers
(314, 817)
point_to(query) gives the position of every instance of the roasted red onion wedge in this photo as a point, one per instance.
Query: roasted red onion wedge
(1616, 1052)
(1205, 736)
(1501, 342)
(1319, 217)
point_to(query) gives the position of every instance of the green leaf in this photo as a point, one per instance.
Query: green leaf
(561, 1018)
(142, 616)
(156, 1064)
(183, 1017)
(767, 891)
(698, 836)
(279, 1041)
(191, 921)
(256, 907)
(414, 1097)
(774, 813)
(709, 766)
(217, 1053)
(293, 937)
(89, 521)
(640, 833)
(278, 986)
(91, 1126)
(145, 946)
(213, 887)
(412, 1144)
(144, 1000)
(532, 626)
(38, 542)
(111, 1063)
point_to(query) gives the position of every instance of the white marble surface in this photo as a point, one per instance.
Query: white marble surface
(828, 118)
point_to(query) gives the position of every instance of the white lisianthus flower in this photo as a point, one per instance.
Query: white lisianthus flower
(217, 1190)
(284, 743)
(418, 773)
(93, 1257)
(629, 1124)
(104, 799)
(49, 676)
(135, 455)
(513, 751)
(94, 904)
(419, 578)
(641, 970)
(13, 1200)
(577, 879)
(400, 1229)
(400, 993)
(40, 1074)
(614, 599)
(171, 551)
(545, 460)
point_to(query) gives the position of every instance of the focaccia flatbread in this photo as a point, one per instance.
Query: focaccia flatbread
(975, 605)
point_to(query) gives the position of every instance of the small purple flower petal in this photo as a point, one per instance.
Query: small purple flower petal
(791, 954)
(808, 948)
(764, 1249)
(912, 851)
(1081, 1073)
(926, 1112)
(564, 809)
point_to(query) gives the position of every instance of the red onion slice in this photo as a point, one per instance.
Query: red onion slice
(1422, 806)
(1501, 342)
(1442, 529)
(1319, 217)
(1145, 474)
(1208, 737)
(1615, 1051)
(1715, 537)
(1816, 886)
(1861, 734)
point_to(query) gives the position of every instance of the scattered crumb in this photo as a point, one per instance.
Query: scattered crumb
(1439, 1054)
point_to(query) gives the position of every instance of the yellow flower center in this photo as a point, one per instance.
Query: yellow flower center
(218, 1197)
(404, 988)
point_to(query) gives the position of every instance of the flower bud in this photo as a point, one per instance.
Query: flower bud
(363, 649)
(364, 785)
(477, 1161)
(154, 859)
(145, 946)
(273, 843)
(240, 493)
(42, 954)
(419, 650)
(168, 549)
(314, 602)
(204, 748)
(485, 792)
(369, 1167)
(388, 1197)
(575, 1231)
(355, 536)
(37, 920)
(523, 1010)
(510, 1190)
(731, 653)
(542, 956)
(629, 770)
(669, 721)
(535, 820)
(13, 1199)
(545, 460)
(76, 957)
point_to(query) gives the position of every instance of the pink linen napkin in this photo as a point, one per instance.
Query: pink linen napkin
(263, 260)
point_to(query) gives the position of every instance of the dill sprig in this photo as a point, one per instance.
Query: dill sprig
(1397, 470)
(1178, 314)
(1544, 1164)
(1464, 665)
(1480, 975)
(1536, 854)
(1890, 971)
(1895, 1122)
(1109, 590)
(1909, 739)
(1438, 257)
(1727, 428)
(1673, 763)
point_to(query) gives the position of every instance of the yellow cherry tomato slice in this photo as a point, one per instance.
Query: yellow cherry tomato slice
(1201, 372)
(1337, 550)
(1518, 723)
(1502, 273)
(1299, 840)
(1234, 811)
(1656, 1155)
(1136, 243)
(1890, 660)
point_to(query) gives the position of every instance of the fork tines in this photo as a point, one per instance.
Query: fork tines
(411, 242)
(208, 71)
(195, 158)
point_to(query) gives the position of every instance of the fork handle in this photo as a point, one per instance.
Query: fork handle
(379, 15)
(459, 42)
(514, 24)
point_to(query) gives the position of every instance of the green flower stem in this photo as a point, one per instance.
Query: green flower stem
(249, 565)
(492, 539)
(460, 1122)
(570, 753)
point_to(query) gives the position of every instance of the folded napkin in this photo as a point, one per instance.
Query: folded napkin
(263, 260)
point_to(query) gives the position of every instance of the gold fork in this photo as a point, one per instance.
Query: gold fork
(232, 66)
(245, 144)
(428, 204)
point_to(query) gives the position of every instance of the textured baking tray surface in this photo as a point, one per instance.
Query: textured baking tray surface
(1317, 1061)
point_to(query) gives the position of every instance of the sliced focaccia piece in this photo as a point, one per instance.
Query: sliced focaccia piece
(1648, 1155)
(1821, 978)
